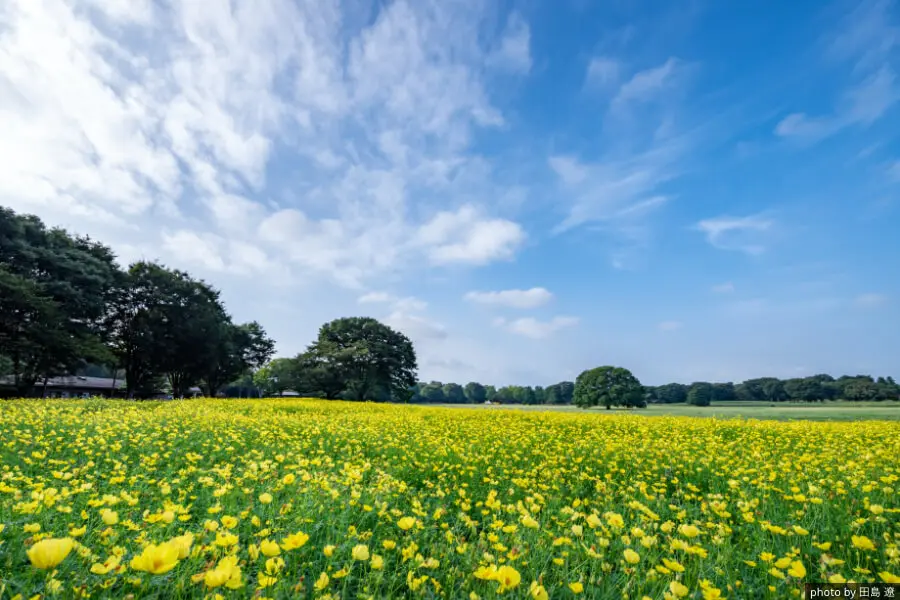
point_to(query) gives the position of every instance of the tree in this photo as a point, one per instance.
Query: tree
(608, 386)
(489, 393)
(805, 389)
(700, 394)
(671, 393)
(432, 392)
(236, 350)
(559, 393)
(454, 393)
(318, 374)
(276, 376)
(369, 357)
(475, 393)
(54, 289)
(723, 392)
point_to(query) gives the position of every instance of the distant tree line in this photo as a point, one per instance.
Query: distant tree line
(65, 304)
(816, 388)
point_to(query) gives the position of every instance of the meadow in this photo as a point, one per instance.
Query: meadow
(808, 411)
(326, 499)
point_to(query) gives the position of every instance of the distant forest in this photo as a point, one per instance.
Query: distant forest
(816, 388)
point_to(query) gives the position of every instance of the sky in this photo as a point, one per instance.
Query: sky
(695, 191)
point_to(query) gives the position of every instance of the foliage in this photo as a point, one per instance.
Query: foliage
(700, 394)
(384, 498)
(65, 305)
(54, 289)
(608, 386)
(368, 358)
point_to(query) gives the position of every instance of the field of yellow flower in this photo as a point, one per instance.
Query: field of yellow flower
(316, 499)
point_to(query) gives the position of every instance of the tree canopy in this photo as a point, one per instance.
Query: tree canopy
(608, 386)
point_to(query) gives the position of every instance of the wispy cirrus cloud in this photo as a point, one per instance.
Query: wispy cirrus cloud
(534, 328)
(865, 39)
(744, 234)
(530, 298)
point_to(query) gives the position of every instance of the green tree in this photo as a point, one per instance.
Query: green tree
(700, 393)
(454, 393)
(236, 350)
(559, 393)
(489, 393)
(475, 393)
(672, 393)
(433, 392)
(608, 386)
(54, 288)
(370, 358)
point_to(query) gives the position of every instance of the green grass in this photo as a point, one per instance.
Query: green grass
(819, 411)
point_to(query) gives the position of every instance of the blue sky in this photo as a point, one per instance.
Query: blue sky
(700, 191)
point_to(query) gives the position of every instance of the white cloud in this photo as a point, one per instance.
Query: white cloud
(125, 120)
(374, 297)
(514, 51)
(893, 171)
(535, 329)
(464, 237)
(744, 234)
(530, 298)
(723, 288)
(417, 327)
(870, 300)
(865, 37)
(646, 85)
(670, 325)
(602, 72)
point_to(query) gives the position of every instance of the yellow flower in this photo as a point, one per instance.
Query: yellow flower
(389, 544)
(889, 577)
(530, 522)
(108, 565)
(227, 573)
(631, 556)
(156, 559)
(673, 565)
(183, 543)
(486, 572)
(294, 541)
(508, 578)
(782, 563)
(577, 587)
(49, 552)
(837, 578)
(229, 522)
(31, 528)
(288, 479)
(862, 542)
(538, 592)
(266, 580)
(265, 498)
(406, 523)
(110, 517)
(797, 570)
(322, 582)
(269, 548)
(377, 562)
(77, 531)
(360, 552)
(274, 565)
(678, 590)
(822, 545)
(328, 550)
(689, 531)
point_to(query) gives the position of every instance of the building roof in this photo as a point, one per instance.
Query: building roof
(73, 381)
